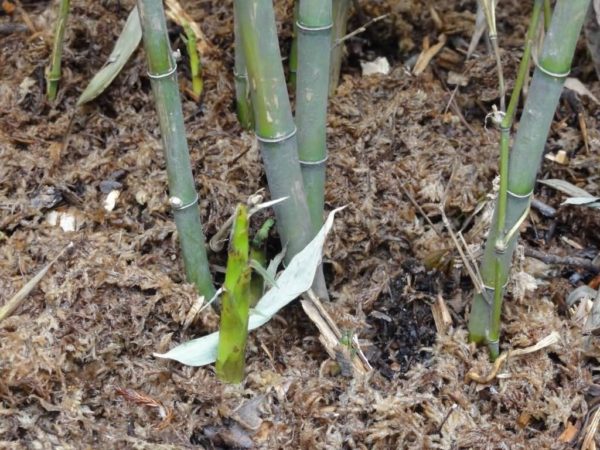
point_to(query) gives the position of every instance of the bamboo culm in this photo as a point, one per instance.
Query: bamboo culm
(242, 93)
(340, 11)
(274, 125)
(312, 83)
(182, 190)
(525, 158)
(294, 47)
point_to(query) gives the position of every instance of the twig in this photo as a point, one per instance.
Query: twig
(10, 28)
(452, 101)
(470, 264)
(590, 428)
(330, 336)
(25, 17)
(416, 205)
(446, 417)
(471, 269)
(572, 261)
(18, 298)
(360, 29)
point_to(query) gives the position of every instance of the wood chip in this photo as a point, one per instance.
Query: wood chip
(427, 54)
(569, 434)
(441, 315)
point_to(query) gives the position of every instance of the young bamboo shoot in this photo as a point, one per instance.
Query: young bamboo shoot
(235, 303)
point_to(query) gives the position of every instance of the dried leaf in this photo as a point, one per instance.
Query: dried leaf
(577, 86)
(128, 41)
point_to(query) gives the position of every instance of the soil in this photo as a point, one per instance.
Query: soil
(76, 355)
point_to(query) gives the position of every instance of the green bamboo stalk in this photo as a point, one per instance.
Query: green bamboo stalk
(294, 47)
(235, 303)
(194, 59)
(340, 12)
(525, 158)
(53, 72)
(314, 36)
(502, 205)
(183, 196)
(242, 92)
(547, 14)
(274, 126)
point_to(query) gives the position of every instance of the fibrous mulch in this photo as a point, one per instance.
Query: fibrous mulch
(76, 358)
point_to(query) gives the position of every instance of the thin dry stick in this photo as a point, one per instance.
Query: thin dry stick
(572, 261)
(416, 205)
(25, 17)
(360, 29)
(547, 341)
(18, 298)
(330, 333)
(470, 264)
(590, 431)
(464, 243)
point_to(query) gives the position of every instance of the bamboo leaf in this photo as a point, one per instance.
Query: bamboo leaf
(295, 279)
(127, 42)
(275, 262)
(263, 272)
(577, 195)
(566, 187)
(266, 205)
(588, 201)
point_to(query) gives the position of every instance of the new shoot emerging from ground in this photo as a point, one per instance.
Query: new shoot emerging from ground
(235, 303)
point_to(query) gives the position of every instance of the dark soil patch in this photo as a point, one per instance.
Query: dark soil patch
(402, 324)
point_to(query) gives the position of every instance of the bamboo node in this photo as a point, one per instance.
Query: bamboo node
(520, 196)
(53, 77)
(546, 71)
(313, 29)
(490, 288)
(158, 76)
(276, 140)
(314, 163)
(178, 205)
(500, 247)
